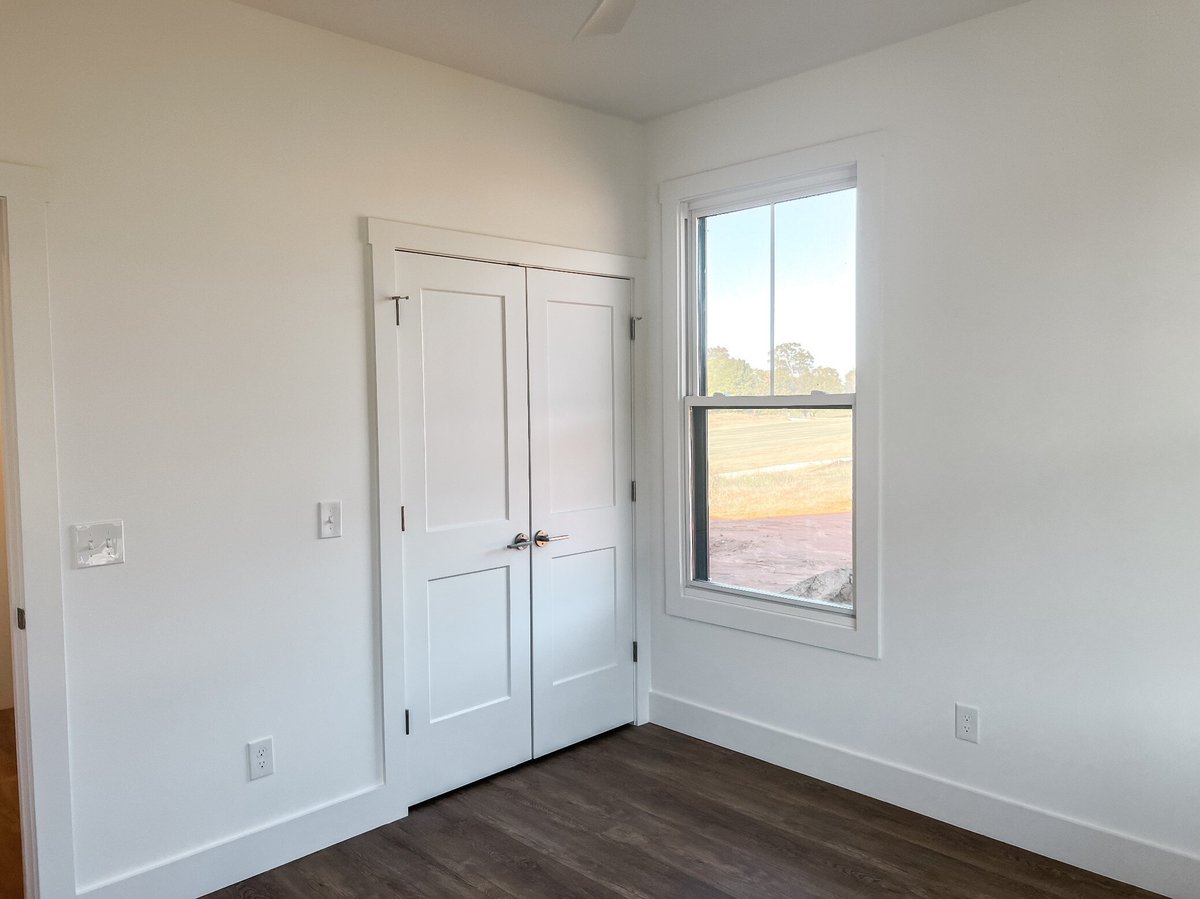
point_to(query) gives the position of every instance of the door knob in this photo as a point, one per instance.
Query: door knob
(541, 538)
(521, 541)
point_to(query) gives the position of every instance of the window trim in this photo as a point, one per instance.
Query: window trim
(857, 162)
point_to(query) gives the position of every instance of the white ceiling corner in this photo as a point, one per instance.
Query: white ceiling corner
(670, 55)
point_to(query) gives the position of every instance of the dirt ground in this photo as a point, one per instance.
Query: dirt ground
(776, 553)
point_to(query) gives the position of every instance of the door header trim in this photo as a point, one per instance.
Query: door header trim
(487, 248)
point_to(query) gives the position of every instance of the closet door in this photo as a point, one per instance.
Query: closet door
(465, 488)
(581, 464)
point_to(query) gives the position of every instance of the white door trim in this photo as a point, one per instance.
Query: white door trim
(390, 235)
(385, 238)
(35, 540)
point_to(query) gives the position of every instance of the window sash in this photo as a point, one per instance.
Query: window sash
(838, 178)
(762, 596)
(796, 401)
(697, 507)
(830, 181)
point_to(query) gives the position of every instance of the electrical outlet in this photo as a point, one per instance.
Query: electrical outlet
(262, 758)
(966, 722)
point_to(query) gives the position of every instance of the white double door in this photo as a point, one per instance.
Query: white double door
(515, 419)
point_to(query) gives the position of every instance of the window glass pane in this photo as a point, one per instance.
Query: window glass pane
(735, 302)
(774, 501)
(814, 294)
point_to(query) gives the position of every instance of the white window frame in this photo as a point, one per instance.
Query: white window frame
(853, 162)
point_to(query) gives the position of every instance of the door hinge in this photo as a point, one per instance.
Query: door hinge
(397, 300)
(633, 491)
(635, 650)
(406, 730)
(402, 519)
(633, 320)
(20, 619)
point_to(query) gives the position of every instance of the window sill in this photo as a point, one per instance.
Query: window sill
(835, 630)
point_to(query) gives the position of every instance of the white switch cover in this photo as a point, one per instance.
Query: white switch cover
(102, 543)
(331, 519)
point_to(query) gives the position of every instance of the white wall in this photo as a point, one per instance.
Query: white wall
(211, 165)
(1040, 434)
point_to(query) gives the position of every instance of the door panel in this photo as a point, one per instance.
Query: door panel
(469, 613)
(583, 604)
(580, 463)
(465, 487)
(580, 403)
(464, 370)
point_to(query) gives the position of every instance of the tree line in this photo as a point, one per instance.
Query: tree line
(796, 373)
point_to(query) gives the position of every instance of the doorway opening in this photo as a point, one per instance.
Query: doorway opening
(11, 858)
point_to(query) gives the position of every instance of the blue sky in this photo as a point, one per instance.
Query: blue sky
(814, 279)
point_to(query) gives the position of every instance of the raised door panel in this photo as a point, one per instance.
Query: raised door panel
(465, 381)
(581, 404)
(586, 618)
(469, 618)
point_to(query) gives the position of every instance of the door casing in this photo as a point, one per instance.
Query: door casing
(35, 556)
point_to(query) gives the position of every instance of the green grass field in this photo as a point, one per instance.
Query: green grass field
(769, 464)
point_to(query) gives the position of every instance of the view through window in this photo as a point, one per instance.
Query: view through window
(773, 422)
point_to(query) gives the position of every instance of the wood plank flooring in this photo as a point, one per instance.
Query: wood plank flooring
(646, 812)
(11, 886)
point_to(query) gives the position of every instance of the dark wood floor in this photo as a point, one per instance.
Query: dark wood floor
(648, 812)
(10, 811)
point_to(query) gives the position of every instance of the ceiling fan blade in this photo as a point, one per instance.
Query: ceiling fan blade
(608, 18)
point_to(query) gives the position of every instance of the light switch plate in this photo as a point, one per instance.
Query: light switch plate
(330, 519)
(100, 543)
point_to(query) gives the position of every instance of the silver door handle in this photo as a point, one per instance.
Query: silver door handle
(541, 538)
(521, 541)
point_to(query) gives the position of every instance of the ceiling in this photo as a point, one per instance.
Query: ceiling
(672, 54)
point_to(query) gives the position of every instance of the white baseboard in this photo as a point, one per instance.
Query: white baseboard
(1172, 872)
(218, 865)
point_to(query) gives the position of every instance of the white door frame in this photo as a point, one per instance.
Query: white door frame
(35, 541)
(385, 238)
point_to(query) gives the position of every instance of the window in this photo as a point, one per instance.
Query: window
(775, 409)
(773, 299)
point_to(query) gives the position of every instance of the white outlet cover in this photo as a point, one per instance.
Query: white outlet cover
(261, 757)
(100, 543)
(966, 722)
